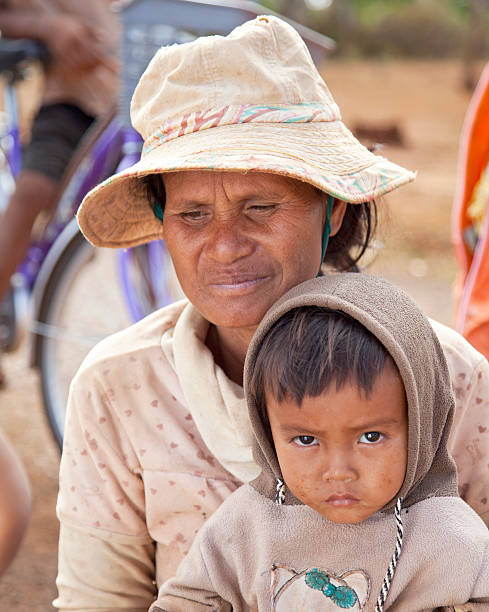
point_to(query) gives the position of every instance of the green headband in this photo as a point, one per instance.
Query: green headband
(158, 210)
(327, 227)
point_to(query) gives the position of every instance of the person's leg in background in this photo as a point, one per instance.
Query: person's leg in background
(34, 193)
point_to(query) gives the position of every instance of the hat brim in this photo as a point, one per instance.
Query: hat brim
(326, 155)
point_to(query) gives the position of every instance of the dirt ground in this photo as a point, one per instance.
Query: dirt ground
(426, 101)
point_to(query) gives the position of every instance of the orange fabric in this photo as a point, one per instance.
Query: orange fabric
(472, 285)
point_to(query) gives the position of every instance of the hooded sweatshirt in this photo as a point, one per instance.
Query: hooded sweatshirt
(255, 555)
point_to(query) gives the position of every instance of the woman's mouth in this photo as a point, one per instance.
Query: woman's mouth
(238, 284)
(342, 500)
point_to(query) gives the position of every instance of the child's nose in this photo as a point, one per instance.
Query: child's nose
(338, 475)
(339, 469)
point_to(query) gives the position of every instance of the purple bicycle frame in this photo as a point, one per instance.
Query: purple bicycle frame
(114, 143)
(97, 165)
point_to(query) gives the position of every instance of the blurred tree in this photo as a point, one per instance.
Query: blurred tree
(413, 28)
(476, 44)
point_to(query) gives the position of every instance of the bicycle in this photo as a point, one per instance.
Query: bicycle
(61, 267)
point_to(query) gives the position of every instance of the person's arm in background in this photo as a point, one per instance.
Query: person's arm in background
(15, 503)
(72, 43)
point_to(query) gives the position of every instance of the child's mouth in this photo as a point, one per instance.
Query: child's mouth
(342, 500)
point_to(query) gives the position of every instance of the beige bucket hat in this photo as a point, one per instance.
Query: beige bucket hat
(252, 100)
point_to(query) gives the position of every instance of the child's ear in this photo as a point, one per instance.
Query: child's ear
(339, 209)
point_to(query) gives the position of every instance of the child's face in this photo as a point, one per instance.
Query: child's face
(341, 454)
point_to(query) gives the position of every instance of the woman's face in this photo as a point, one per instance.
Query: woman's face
(240, 241)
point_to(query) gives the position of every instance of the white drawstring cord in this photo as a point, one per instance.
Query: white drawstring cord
(386, 585)
(280, 495)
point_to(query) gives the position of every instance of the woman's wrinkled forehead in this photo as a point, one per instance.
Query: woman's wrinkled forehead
(208, 186)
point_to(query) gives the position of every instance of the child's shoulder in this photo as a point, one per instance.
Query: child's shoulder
(448, 523)
(446, 545)
(242, 507)
(242, 513)
(245, 511)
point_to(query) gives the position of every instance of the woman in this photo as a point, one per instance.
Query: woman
(246, 172)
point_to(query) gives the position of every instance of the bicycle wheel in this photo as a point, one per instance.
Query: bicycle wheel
(82, 302)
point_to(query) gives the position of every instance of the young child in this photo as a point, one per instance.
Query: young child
(356, 506)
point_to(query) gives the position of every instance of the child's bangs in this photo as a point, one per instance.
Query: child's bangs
(309, 349)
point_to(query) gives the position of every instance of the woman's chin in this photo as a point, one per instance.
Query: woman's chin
(234, 313)
(239, 320)
(237, 307)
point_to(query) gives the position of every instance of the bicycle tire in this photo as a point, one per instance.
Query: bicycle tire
(80, 305)
(81, 302)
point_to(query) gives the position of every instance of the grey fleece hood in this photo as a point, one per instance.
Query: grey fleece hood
(398, 323)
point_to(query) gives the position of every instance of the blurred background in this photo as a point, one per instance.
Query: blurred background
(402, 73)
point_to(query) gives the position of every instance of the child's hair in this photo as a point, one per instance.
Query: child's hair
(308, 349)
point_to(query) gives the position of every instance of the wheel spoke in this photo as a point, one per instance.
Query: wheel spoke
(55, 332)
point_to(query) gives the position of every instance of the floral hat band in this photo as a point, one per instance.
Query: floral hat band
(252, 101)
(305, 112)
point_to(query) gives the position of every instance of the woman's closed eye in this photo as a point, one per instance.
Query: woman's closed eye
(371, 437)
(305, 441)
(261, 210)
(194, 216)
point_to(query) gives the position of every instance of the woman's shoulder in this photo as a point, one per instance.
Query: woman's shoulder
(458, 351)
(143, 336)
(465, 363)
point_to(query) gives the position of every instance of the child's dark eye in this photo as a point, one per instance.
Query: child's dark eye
(305, 440)
(371, 437)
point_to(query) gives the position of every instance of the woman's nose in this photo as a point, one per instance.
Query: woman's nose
(228, 242)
